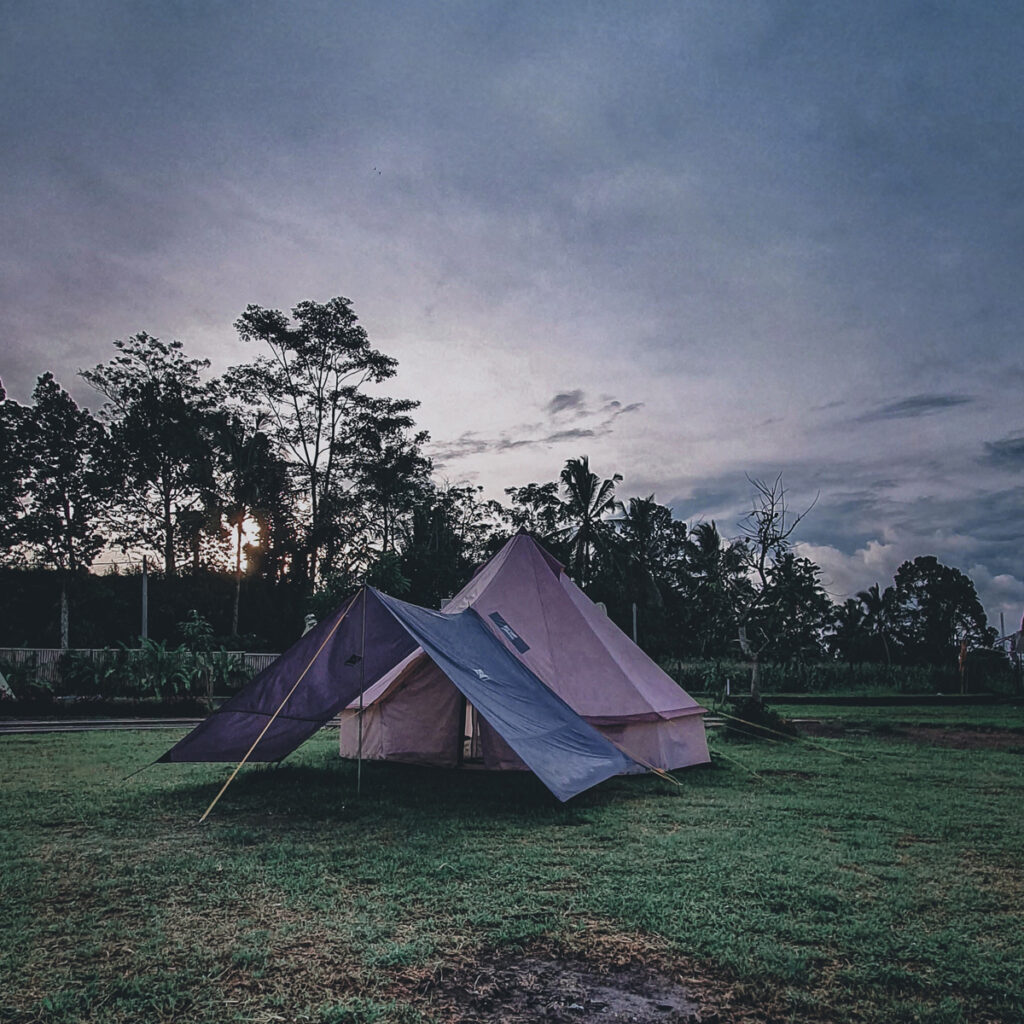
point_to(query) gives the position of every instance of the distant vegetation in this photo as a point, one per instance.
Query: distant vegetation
(274, 490)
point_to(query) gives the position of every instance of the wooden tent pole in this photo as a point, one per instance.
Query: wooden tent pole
(660, 772)
(789, 736)
(749, 771)
(295, 686)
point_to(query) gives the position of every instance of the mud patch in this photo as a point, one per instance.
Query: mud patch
(963, 739)
(541, 988)
(827, 730)
(930, 735)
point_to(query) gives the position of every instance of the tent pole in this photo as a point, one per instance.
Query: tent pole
(287, 696)
(362, 679)
(460, 754)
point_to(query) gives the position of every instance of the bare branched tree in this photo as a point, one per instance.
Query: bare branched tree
(765, 532)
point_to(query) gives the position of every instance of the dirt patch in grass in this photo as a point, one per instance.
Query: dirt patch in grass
(597, 975)
(929, 735)
(963, 739)
(827, 730)
(520, 988)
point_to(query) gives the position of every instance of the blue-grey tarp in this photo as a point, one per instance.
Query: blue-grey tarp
(566, 753)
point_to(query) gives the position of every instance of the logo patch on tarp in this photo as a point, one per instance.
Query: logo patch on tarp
(510, 634)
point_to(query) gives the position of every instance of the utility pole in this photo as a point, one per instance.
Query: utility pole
(64, 615)
(145, 598)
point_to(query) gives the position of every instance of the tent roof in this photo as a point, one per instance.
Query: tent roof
(567, 640)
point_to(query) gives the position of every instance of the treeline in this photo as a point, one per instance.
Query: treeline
(268, 493)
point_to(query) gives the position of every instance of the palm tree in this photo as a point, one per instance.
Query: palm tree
(850, 628)
(590, 500)
(878, 609)
(646, 537)
(717, 575)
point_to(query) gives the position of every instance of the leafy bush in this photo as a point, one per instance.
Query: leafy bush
(156, 669)
(750, 719)
(23, 678)
(91, 673)
(210, 669)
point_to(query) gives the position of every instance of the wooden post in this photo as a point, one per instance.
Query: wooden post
(634, 623)
(287, 696)
(460, 753)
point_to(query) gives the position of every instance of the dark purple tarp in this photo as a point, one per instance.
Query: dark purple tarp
(332, 681)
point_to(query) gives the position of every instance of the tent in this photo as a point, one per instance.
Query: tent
(524, 596)
(544, 680)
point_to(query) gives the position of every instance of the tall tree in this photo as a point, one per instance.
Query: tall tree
(535, 508)
(794, 613)
(67, 486)
(446, 537)
(640, 582)
(388, 467)
(589, 502)
(159, 412)
(935, 609)
(311, 384)
(254, 478)
(851, 631)
(651, 544)
(717, 582)
(13, 471)
(878, 615)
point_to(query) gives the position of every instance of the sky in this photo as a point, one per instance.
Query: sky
(697, 242)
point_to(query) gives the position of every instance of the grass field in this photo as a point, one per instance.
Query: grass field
(883, 888)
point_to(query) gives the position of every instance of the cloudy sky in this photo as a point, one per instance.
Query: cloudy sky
(694, 240)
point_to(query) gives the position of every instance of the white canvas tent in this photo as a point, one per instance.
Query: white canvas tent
(413, 713)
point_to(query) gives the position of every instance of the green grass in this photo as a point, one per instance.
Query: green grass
(886, 888)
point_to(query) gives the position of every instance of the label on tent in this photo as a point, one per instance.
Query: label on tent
(510, 634)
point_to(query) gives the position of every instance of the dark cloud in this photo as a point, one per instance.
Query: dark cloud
(565, 400)
(915, 405)
(1008, 451)
(466, 444)
(567, 435)
(533, 435)
(614, 407)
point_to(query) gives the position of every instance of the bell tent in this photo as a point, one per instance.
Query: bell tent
(519, 671)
